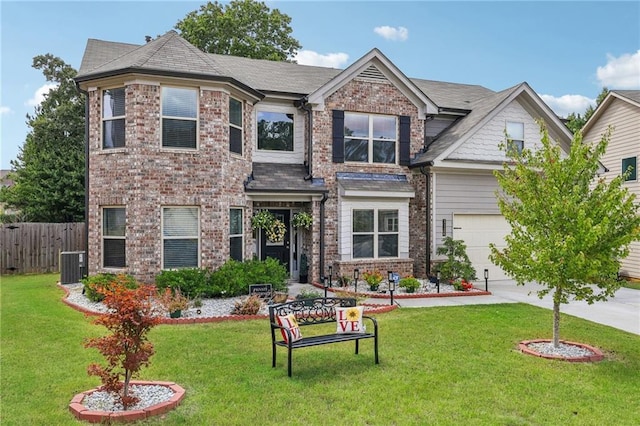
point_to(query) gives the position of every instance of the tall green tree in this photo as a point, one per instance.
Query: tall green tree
(569, 227)
(244, 28)
(576, 121)
(48, 173)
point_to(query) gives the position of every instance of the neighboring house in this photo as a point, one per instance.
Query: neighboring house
(184, 147)
(620, 110)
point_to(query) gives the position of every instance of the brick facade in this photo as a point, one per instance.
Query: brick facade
(143, 177)
(379, 97)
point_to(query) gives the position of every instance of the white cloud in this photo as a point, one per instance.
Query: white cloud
(566, 104)
(331, 60)
(38, 96)
(392, 33)
(622, 72)
(5, 110)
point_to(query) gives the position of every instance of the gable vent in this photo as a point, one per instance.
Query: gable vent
(372, 73)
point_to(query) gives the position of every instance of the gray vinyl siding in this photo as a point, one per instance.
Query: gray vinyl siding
(462, 193)
(437, 125)
(624, 143)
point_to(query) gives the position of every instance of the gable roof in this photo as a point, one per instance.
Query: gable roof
(483, 110)
(170, 54)
(630, 96)
(377, 66)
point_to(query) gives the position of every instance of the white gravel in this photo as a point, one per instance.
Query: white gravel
(149, 395)
(563, 350)
(209, 308)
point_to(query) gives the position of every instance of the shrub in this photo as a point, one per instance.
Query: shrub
(410, 284)
(229, 280)
(192, 282)
(173, 300)
(130, 318)
(457, 264)
(249, 306)
(269, 271)
(233, 278)
(95, 283)
(308, 294)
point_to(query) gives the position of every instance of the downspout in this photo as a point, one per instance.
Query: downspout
(427, 216)
(86, 180)
(302, 104)
(322, 201)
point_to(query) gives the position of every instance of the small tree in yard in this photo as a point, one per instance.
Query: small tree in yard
(131, 315)
(569, 229)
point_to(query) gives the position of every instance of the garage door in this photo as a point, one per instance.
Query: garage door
(477, 231)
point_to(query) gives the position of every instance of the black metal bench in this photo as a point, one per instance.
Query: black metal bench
(311, 312)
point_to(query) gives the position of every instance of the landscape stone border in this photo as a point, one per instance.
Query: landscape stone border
(596, 356)
(376, 295)
(369, 308)
(92, 416)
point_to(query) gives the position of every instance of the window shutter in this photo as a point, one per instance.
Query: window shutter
(405, 140)
(338, 136)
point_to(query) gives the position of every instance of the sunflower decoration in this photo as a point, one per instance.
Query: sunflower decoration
(353, 314)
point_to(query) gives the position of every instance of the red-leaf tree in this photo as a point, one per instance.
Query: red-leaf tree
(130, 317)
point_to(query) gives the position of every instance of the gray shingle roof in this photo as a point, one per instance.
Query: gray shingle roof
(171, 53)
(270, 177)
(480, 108)
(633, 95)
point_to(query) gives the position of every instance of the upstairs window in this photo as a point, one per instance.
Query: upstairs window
(113, 237)
(179, 117)
(235, 126)
(629, 164)
(113, 118)
(180, 237)
(370, 138)
(275, 131)
(515, 138)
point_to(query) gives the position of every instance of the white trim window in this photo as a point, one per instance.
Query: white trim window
(113, 118)
(515, 138)
(236, 234)
(179, 118)
(114, 241)
(275, 131)
(375, 233)
(180, 237)
(235, 126)
(370, 138)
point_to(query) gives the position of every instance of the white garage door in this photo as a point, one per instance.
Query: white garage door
(477, 231)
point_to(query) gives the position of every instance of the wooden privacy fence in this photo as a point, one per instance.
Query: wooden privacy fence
(36, 247)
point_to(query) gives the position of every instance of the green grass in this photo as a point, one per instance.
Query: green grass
(440, 366)
(634, 284)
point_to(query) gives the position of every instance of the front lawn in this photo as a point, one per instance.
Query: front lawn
(443, 366)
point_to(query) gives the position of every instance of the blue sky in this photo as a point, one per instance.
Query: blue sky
(567, 51)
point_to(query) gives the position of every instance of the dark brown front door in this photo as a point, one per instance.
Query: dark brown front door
(279, 250)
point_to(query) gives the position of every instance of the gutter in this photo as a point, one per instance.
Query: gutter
(86, 179)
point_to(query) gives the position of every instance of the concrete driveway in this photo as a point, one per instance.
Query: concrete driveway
(621, 311)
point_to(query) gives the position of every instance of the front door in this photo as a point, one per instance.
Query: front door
(280, 250)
